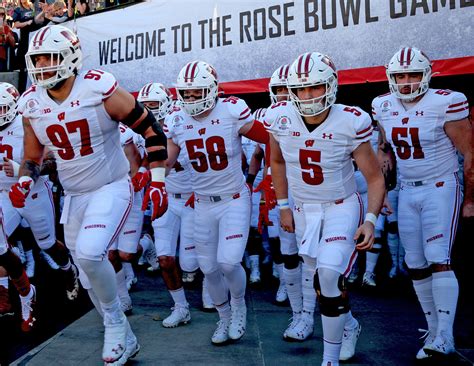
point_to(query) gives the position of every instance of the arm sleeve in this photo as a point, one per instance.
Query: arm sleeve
(458, 107)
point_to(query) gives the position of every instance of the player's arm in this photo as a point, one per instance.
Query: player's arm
(280, 182)
(133, 157)
(122, 106)
(386, 159)
(30, 166)
(33, 153)
(255, 164)
(255, 131)
(173, 153)
(460, 134)
(368, 164)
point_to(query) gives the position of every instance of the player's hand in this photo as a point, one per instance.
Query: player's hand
(141, 179)
(468, 209)
(20, 190)
(10, 167)
(263, 219)
(365, 236)
(190, 201)
(286, 221)
(387, 209)
(156, 194)
(266, 187)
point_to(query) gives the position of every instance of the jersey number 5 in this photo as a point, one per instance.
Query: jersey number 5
(312, 173)
(59, 138)
(216, 154)
(403, 146)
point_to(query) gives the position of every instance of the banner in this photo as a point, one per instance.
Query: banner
(247, 40)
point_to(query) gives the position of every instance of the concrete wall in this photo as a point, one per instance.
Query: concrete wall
(10, 77)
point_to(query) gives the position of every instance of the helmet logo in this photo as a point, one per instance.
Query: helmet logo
(72, 38)
(329, 62)
(39, 37)
(405, 57)
(303, 67)
(190, 72)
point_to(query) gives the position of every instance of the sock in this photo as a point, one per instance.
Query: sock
(293, 287)
(351, 322)
(393, 244)
(333, 329)
(112, 312)
(424, 292)
(237, 281)
(4, 282)
(127, 267)
(372, 258)
(179, 297)
(217, 287)
(95, 301)
(22, 284)
(309, 294)
(101, 276)
(445, 296)
(145, 242)
(279, 268)
(122, 290)
(67, 266)
(224, 310)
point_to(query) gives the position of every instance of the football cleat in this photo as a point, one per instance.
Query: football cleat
(221, 334)
(349, 342)
(369, 279)
(302, 330)
(428, 338)
(443, 344)
(238, 322)
(115, 338)
(294, 320)
(28, 311)
(179, 315)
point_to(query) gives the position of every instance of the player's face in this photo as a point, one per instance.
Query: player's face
(152, 105)
(311, 92)
(281, 93)
(408, 81)
(46, 60)
(192, 94)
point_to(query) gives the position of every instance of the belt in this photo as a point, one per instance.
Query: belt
(217, 198)
(181, 195)
(416, 183)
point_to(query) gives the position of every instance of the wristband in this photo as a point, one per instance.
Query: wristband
(370, 217)
(283, 204)
(16, 168)
(142, 169)
(158, 174)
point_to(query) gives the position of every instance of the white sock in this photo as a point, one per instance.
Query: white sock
(445, 296)
(372, 258)
(279, 268)
(101, 276)
(145, 242)
(224, 310)
(29, 255)
(179, 297)
(29, 296)
(217, 288)
(112, 312)
(4, 282)
(293, 287)
(424, 292)
(333, 329)
(236, 279)
(95, 301)
(351, 322)
(121, 284)
(128, 268)
(309, 294)
(393, 244)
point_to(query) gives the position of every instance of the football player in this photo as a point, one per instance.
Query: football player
(312, 143)
(74, 114)
(425, 127)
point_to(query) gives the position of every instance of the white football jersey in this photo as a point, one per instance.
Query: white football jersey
(319, 167)
(417, 135)
(213, 145)
(11, 147)
(128, 136)
(79, 131)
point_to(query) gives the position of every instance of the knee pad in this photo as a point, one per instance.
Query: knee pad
(392, 227)
(328, 277)
(227, 268)
(276, 250)
(291, 261)
(376, 248)
(436, 254)
(333, 306)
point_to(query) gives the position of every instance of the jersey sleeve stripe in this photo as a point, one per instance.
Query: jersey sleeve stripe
(245, 111)
(457, 104)
(245, 117)
(364, 131)
(457, 110)
(111, 90)
(364, 136)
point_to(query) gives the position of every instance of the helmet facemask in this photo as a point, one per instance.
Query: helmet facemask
(8, 103)
(416, 89)
(315, 106)
(61, 70)
(205, 103)
(274, 96)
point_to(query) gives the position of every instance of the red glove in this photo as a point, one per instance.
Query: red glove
(263, 219)
(141, 179)
(266, 187)
(156, 193)
(190, 201)
(20, 190)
